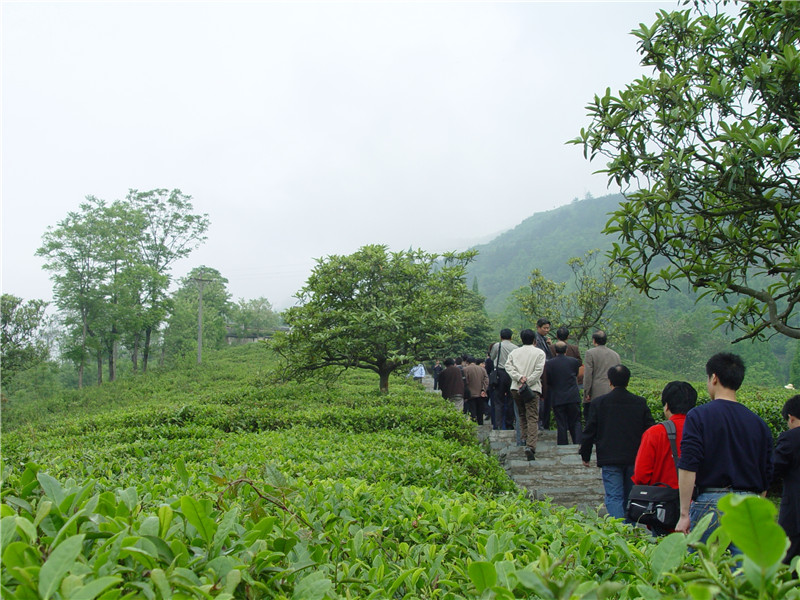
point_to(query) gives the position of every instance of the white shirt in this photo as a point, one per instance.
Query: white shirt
(526, 361)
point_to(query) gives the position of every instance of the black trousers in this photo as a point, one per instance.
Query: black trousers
(476, 407)
(545, 405)
(568, 421)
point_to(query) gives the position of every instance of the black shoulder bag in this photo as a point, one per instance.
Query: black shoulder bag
(657, 505)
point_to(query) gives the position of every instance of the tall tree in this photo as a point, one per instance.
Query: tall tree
(710, 147)
(76, 251)
(374, 310)
(171, 231)
(592, 300)
(21, 346)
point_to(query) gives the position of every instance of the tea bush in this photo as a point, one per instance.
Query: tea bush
(219, 482)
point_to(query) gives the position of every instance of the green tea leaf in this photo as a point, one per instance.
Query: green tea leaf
(58, 565)
(668, 554)
(180, 467)
(312, 587)
(750, 523)
(482, 574)
(52, 489)
(91, 590)
(196, 515)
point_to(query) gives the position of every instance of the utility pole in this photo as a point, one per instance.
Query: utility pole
(200, 282)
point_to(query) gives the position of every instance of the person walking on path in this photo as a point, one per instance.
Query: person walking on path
(726, 447)
(599, 360)
(504, 411)
(545, 345)
(654, 462)
(615, 425)
(452, 385)
(525, 365)
(477, 385)
(561, 375)
(437, 370)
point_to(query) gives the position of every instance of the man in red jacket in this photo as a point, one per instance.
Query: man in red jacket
(654, 463)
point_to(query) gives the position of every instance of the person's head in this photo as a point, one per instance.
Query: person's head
(527, 336)
(471, 360)
(599, 338)
(459, 360)
(791, 411)
(727, 368)
(560, 347)
(505, 334)
(562, 333)
(679, 397)
(449, 362)
(619, 376)
(543, 326)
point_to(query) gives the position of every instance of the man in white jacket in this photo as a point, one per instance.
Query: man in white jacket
(526, 365)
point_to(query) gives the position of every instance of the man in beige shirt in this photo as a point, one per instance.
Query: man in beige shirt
(526, 365)
(597, 362)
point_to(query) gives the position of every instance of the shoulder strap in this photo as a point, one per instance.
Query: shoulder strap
(672, 436)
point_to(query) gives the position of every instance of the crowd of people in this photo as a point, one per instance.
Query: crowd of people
(721, 446)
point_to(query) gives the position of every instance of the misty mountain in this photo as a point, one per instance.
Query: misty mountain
(543, 241)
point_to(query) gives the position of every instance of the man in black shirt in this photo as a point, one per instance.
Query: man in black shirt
(726, 448)
(787, 467)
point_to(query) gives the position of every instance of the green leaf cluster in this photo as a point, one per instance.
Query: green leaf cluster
(708, 146)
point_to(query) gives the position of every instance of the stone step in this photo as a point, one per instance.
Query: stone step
(557, 473)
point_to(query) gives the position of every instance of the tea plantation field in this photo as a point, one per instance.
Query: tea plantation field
(217, 482)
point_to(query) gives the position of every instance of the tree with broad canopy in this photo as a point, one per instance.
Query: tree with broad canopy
(375, 310)
(710, 146)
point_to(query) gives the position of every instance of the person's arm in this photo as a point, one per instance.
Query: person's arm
(686, 480)
(538, 368)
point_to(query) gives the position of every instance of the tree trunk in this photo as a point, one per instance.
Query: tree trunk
(83, 352)
(135, 353)
(146, 350)
(99, 367)
(384, 385)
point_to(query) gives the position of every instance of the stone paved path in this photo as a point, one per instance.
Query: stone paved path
(557, 473)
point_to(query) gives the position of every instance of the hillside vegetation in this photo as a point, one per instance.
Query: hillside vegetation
(216, 482)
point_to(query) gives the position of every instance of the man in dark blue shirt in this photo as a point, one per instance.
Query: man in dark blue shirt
(726, 447)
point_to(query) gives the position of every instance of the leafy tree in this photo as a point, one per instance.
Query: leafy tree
(592, 300)
(253, 318)
(710, 145)
(181, 334)
(375, 310)
(21, 347)
(170, 232)
(77, 252)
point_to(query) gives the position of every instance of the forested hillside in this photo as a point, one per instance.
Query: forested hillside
(673, 333)
(542, 241)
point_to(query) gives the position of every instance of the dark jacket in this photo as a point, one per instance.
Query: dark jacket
(787, 467)
(451, 382)
(562, 380)
(615, 425)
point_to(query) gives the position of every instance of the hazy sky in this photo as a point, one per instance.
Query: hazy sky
(303, 128)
